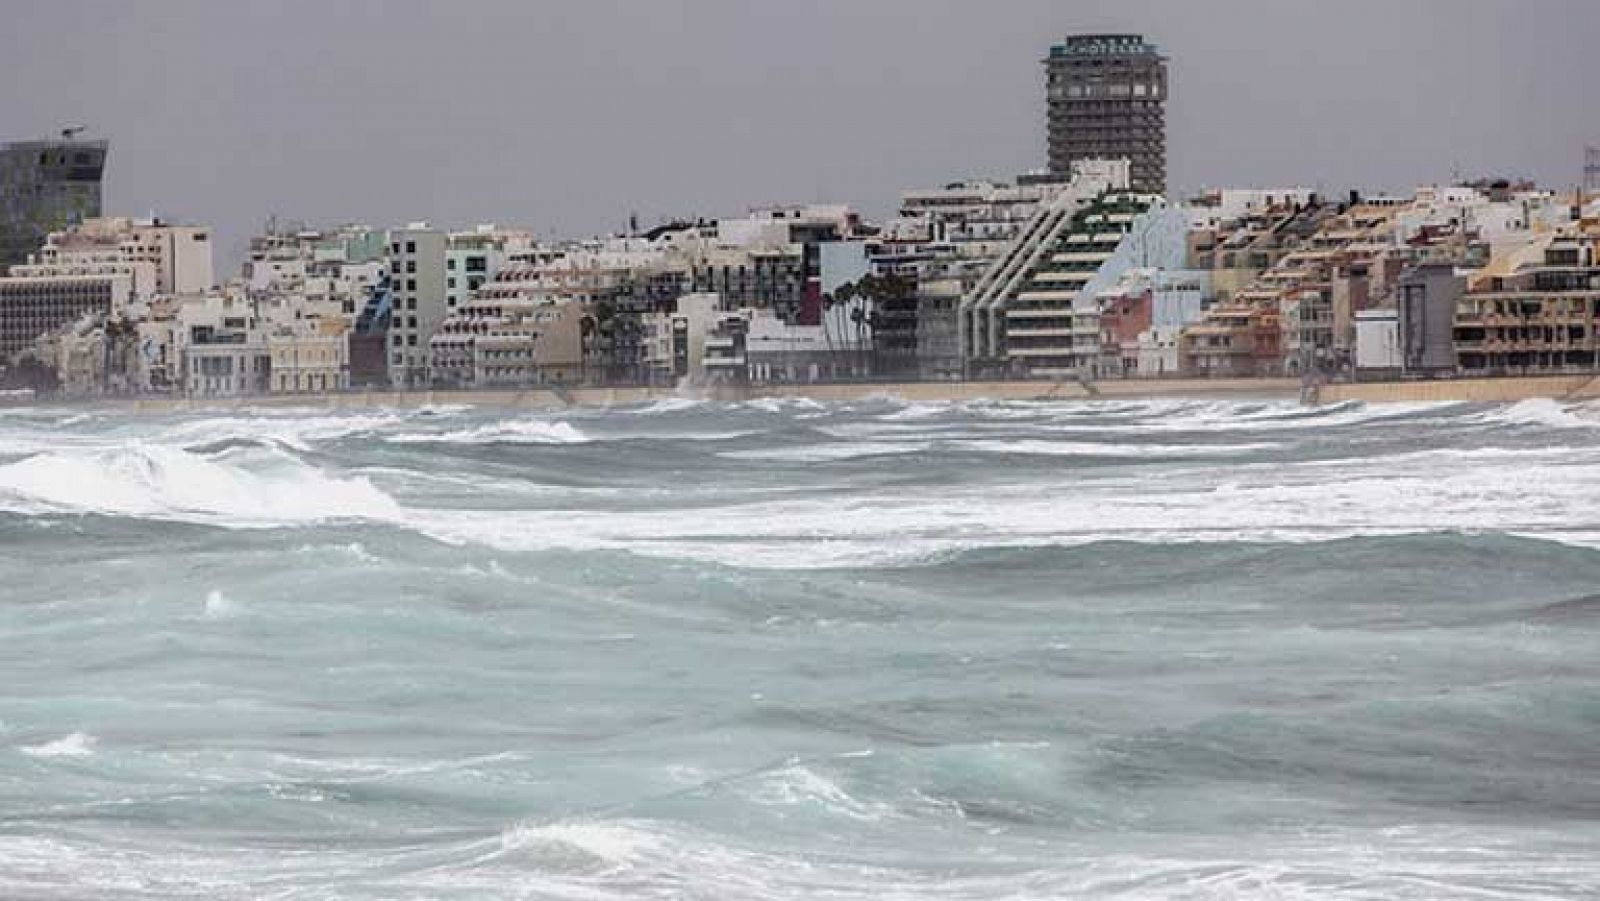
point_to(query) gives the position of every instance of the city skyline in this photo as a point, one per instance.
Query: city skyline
(226, 117)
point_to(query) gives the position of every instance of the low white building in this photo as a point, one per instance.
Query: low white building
(1378, 342)
(309, 357)
(221, 347)
(675, 342)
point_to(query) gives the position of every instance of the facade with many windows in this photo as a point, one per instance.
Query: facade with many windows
(46, 186)
(1107, 97)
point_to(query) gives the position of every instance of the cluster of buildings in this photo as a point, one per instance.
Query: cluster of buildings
(1088, 269)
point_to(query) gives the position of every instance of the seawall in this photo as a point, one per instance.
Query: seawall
(1481, 390)
(1493, 390)
(543, 398)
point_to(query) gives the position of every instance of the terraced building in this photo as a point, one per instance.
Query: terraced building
(1035, 312)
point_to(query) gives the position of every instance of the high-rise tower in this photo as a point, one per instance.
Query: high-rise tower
(1107, 96)
(46, 186)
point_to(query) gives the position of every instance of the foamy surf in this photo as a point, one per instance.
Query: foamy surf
(77, 744)
(508, 432)
(168, 483)
(1101, 650)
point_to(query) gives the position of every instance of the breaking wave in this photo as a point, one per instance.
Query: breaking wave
(1112, 649)
(508, 432)
(78, 744)
(169, 483)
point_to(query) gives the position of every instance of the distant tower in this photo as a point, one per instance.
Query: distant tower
(1107, 97)
(1591, 170)
(46, 186)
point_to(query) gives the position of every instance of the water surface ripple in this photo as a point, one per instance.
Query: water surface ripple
(782, 649)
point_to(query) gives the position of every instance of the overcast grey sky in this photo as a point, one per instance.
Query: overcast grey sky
(567, 115)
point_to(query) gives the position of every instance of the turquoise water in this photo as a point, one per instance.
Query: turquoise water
(1166, 649)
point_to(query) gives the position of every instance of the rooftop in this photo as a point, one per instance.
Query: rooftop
(1080, 45)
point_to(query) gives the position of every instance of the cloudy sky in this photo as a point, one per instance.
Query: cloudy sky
(568, 115)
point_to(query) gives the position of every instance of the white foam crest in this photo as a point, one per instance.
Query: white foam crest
(802, 786)
(78, 744)
(298, 432)
(352, 551)
(506, 432)
(919, 411)
(785, 405)
(615, 859)
(670, 405)
(608, 858)
(20, 447)
(170, 483)
(1038, 447)
(219, 605)
(1542, 411)
(601, 847)
(444, 409)
(1270, 502)
(1188, 416)
(824, 453)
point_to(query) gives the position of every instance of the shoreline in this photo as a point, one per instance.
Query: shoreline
(1503, 389)
(564, 398)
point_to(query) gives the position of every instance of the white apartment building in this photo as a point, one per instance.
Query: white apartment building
(106, 267)
(433, 274)
(221, 346)
(417, 275)
(472, 258)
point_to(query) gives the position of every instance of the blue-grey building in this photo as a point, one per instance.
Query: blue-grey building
(46, 186)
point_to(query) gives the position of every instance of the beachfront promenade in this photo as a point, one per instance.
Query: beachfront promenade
(1508, 389)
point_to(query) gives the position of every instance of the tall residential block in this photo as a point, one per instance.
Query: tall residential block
(417, 272)
(1107, 95)
(46, 186)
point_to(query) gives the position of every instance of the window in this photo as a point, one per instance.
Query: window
(397, 344)
(411, 266)
(477, 264)
(411, 247)
(411, 322)
(411, 284)
(411, 340)
(450, 283)
(450, 263)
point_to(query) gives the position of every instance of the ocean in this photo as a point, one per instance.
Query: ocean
(1164, 649)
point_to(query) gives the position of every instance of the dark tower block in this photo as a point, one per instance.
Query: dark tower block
(46, 186)
(1107, 96)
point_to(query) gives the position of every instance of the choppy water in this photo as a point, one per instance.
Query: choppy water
(784, 650)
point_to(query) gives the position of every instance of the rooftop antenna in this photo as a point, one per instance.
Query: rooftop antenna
(71, 131)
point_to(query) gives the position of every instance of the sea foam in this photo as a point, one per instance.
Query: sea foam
(78, 744)
(507, 432)
(169, 483)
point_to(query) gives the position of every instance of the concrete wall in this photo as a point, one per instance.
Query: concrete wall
(539, 398)
(1498, 390)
